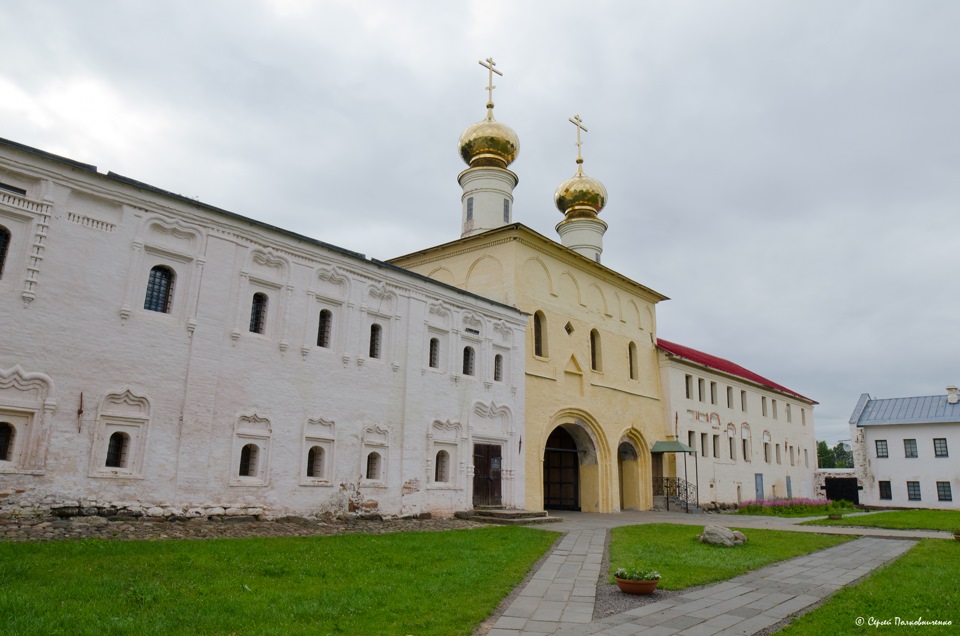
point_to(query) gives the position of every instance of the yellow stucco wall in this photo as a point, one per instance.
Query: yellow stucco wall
(518, 267)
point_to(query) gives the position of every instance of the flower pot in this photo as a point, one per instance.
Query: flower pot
(637, 587)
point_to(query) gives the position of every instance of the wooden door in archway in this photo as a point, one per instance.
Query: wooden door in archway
(561, 472)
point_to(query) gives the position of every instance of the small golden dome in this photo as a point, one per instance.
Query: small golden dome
(580, 196)
(489, 143)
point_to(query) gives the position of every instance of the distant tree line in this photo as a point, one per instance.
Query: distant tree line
(836, 457)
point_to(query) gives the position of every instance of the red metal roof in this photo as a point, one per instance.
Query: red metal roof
(724, 366)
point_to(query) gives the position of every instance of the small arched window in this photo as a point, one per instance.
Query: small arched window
(324, 325)
(258, 313)
(539, 335)
(441, 471)
(596, 360)
(632, 359)
(117, 449)
(373, 466)
(315, 462)
(434, 353)
(248, 460)
(376, 335)
(498, 368)
(468, 361)
(160, 290)
(4, 243)
(7, 435)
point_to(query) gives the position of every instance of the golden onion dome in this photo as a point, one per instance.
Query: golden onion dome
(580, 196)
(489, 143)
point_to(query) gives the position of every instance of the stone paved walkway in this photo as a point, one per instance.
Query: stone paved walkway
(559, 598)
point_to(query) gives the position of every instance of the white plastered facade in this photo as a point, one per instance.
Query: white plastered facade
(213, 417)
(742, 453)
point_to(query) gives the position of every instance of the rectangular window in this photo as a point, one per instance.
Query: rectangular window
(790, 452)
(729, 397)
(910, 448)
(506, 210)
(703, 444)
(713, 393)
(789, 414)
(14, 189)
(746, 450)
(803, 416)
(778, 453)
(688, 380)
(763, 405)
(733, 448)
(701, 392)
(469, 208)
(743, 401)
(806, 459)
(913, 490)
(716, 446)
(882, 448)
(943, 491)
(885, 491)
(774, 409)
(692, 440)
(940, 447)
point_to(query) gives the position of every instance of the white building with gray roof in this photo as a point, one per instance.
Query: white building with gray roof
(901, 449)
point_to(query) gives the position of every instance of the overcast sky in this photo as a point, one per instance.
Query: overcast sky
(788, 173)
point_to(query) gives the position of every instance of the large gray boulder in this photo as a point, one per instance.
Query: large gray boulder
(718, 535)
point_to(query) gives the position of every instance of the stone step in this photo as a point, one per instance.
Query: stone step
(504, 516)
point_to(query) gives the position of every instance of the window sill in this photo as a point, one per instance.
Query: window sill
(316, 482)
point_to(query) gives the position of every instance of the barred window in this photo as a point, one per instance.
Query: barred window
(468, 361)
(376, 335)
(7, 435)
(159, 289)
(258, 313)
(498, 368)
(324, 324)
(434, 353)
(373, 466)
(506, 210)
(4, 242)
(315, 462)
(441, 471)
(117, 450)
(248, 460)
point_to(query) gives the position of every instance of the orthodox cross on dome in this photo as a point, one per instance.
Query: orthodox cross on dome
(489, 64)
(576, 121)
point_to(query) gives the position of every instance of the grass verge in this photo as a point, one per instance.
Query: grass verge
(405, 583)
(795, 507)
(922, 584)
(946, 520)
(683, 561)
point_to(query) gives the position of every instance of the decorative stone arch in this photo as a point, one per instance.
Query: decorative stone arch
(443, 275)
(485, 275)
(568, 280)
(26, 403)
(593, 467)
(537, 276)
(634, 470)
(597, 299)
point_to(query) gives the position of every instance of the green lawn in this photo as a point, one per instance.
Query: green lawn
(795, 507)
(947, 520)
(413, 583)
(923, 583)
(683, 561)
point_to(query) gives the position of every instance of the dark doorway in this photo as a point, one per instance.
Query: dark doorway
(561, 472)
(843, 488)
(486, 475)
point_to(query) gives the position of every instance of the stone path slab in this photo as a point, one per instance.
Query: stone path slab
(559, 598)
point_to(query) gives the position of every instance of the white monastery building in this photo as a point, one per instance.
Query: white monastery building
(163, 356)
(901, 450)
(753, 438)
